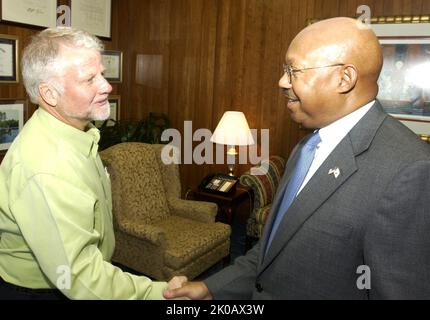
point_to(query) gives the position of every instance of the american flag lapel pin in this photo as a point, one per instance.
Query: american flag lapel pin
(335, 172)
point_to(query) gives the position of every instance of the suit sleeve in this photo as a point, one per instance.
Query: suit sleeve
(397, 242)
(236, 281)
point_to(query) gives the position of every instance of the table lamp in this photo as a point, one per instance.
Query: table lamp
(232, 130)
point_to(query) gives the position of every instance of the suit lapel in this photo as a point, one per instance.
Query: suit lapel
(315, 193)
(322, 185)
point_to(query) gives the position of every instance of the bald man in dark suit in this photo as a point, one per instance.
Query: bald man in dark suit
(359, 225)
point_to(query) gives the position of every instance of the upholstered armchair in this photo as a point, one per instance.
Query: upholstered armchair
(264, 187)
(157, 233)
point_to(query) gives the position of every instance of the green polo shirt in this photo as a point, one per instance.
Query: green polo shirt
(56, 215)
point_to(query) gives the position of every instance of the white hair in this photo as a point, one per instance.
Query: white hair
(41, 60)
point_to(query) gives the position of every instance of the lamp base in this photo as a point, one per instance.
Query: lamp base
(231, 160)
(231, 170)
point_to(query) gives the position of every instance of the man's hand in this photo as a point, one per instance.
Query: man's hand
(175, 283)
(179, 287)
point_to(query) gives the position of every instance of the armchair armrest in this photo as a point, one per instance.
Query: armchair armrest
(151, 233)
(262, 214)
(260, 188)
(196, 210)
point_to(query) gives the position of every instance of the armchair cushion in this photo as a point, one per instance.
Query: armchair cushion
(195, 238)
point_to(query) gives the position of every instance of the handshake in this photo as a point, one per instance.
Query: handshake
(179, 288)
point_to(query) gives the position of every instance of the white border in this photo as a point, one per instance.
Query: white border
(30, 12)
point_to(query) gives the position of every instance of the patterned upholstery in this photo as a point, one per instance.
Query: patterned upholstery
(264, 187)
(156, 232)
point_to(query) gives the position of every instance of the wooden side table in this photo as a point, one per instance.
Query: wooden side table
(234, 205)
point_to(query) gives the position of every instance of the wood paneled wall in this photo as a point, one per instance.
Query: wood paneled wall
(220, 55)
(199, 58)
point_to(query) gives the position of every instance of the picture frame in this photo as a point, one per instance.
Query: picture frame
(9, 46)
(115, 111)
(93, 16)
(42, 13)
(112, 61)
(13, 114)
(404, 91)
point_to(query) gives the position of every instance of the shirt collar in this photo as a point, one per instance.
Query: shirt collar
(337, 130)
(86, 142)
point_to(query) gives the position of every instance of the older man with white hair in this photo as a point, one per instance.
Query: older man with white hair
(56, 231)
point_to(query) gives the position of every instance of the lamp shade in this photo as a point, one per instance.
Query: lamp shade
(233, 130)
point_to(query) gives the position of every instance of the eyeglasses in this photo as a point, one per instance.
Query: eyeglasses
(290, 70)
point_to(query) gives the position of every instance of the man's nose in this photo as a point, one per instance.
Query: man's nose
(105, 86)
(284, 82)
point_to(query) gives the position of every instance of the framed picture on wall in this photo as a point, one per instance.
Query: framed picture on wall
(41, 13)
(112, 61)
(404, 89)
(9, 59)
(13, 114)
(93, 16)
(115, 107)
(115, 111)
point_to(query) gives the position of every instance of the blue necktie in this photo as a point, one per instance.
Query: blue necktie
(301, 169)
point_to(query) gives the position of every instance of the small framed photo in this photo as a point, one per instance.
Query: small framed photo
(112, 61)
(115, 112)
(13, 114)
(9, 59)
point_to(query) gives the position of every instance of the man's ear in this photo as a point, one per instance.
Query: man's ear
(349, 78)
(48, 94)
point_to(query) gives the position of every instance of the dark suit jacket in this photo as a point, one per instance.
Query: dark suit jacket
(375, 214)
